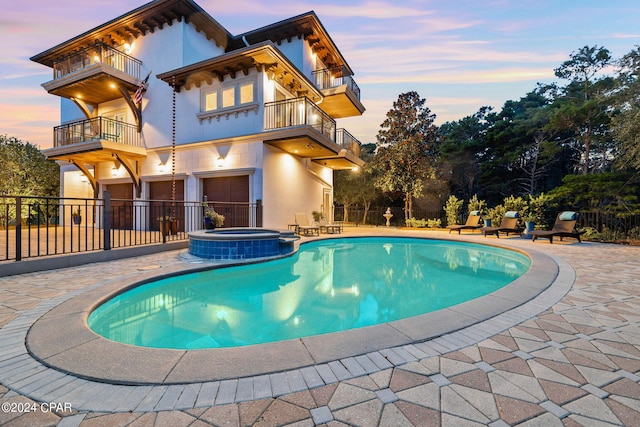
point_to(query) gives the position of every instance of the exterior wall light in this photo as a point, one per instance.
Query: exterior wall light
(221, 162)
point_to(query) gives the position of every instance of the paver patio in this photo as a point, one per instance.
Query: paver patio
(576, 363)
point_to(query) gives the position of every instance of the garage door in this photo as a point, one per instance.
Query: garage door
(160, 191)
(230, 197)
(121, 206)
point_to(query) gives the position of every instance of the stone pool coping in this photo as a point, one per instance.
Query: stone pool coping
(61, 338)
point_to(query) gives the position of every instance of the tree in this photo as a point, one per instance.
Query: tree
(407, 149)
(462, 150)
(626, 99)
(356, 186)
(25, 170)
(584, 109)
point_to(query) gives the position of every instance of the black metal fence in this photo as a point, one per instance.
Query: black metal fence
(622, 226)
(614, 226)
(40, 226)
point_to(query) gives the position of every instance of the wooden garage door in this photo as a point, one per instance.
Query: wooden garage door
(229, 196)
(159, 191)
(121, 206)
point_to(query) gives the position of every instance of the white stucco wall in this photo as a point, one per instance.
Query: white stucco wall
(291, 185)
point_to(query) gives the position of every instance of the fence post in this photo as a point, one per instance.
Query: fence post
(18, 228)
(106, 220)
(163, 225)
(259, 213)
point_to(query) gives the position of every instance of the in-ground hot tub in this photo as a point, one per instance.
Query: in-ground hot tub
(240, 243)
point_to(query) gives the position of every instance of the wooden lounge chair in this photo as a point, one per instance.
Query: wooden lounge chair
(565, 226)
(304, 227)
(473, 223)
(509, 224)
(331, 228)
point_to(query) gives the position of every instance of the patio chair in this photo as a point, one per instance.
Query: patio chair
(565, 226)
(473, 223)
(331, 228)
(304, 227)
(509, 224)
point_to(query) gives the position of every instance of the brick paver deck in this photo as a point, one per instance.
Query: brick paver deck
(573, 364)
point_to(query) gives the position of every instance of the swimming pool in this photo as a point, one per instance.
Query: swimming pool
(328, 286)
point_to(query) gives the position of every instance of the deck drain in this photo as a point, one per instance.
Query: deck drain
(149, 267)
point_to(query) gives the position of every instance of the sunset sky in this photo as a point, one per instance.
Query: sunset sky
(460, 55)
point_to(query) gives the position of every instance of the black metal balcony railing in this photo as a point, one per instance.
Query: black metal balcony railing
(296, 112)
(97, 54)
(98, 128)
(348, 141)
(333, 77)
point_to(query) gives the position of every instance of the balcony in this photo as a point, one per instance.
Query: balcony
(348, 141)
(299, 127)
(94, 75)
(95, 140)
(342, 94)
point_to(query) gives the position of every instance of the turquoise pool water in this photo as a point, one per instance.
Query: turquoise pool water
(328, 286)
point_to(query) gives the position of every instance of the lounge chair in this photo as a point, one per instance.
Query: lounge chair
(331, 228)
(304, 227)
(509, 224)
(565, 226)
(473, 223)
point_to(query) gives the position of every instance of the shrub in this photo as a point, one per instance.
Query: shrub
(477, 205)
(453, 208)
(423, 223)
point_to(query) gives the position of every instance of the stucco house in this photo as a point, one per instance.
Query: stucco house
(165, 95)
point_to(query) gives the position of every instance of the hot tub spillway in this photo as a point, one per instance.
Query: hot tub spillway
(240, 243)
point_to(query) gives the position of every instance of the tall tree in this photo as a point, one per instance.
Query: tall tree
(407, 149)
(584, 109)
(462, 150)
(25, 170)
(356, 186)
(626, 99)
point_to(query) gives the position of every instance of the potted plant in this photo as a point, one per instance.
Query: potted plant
(76, 216)
(212, 219)
(534, 213)
(529, 219)
(168, 225)
(317, 216)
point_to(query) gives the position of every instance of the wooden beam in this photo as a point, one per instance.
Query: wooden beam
(85, 108)
(137, 110)
(91, 178)
(132, 169)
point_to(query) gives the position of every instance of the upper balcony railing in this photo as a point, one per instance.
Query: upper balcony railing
(333, 77)
(98, 128)
(348, 141)
(97, 54)
(298, 111)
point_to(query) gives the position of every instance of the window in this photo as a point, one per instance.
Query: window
(246, 93)
(211, 101)
(228, 97)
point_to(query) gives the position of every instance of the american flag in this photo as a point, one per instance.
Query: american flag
(141, 89)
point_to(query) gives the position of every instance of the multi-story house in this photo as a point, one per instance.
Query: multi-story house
(248, 118)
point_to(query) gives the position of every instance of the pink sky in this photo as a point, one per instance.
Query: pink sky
(460, 55)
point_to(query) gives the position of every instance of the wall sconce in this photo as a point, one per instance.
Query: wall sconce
(83, 178)
(161, 167)
(128, 47)
(114, 171)
(220, 162)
